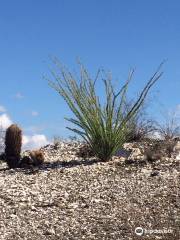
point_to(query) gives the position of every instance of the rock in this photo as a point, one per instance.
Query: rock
(146, 171)
(154, 173)
(135, 154)
(123, 153)
(50, 232)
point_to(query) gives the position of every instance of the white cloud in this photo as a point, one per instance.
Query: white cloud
(34, 141)
(19, 95)
(2, 108)
(5, 121)
(178, 110)
(34, 113)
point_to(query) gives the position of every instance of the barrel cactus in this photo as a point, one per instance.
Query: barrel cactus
(13, 143)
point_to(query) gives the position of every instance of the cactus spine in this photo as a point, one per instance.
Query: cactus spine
(13, 143)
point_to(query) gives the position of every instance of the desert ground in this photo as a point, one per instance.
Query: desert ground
(72, 196)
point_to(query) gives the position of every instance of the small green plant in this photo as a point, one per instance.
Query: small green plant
(13, 143)
(104, 126)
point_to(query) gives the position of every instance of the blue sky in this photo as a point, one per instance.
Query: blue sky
(115, 35)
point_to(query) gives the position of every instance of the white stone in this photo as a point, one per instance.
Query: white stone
(177, 147)
(178, 156)
(135, 153)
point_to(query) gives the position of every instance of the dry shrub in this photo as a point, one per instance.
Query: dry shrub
(169, 128)
(140, 127)
(85, 151)
(160, 149)
(37, 156)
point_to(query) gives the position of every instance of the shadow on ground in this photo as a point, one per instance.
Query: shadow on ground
(29, 169)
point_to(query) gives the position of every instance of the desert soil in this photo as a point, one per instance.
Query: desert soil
(70, 197)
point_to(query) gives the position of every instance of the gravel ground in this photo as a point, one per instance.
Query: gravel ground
(72, 198)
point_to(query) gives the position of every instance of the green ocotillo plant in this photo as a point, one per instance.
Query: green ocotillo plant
(13, 143)
(103, 125)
